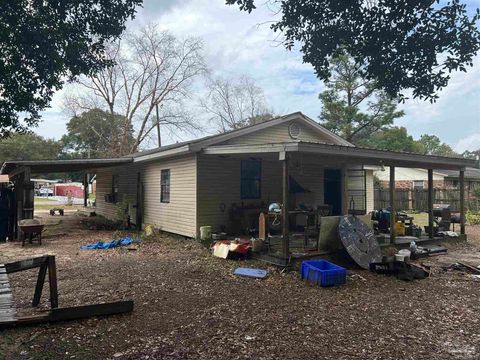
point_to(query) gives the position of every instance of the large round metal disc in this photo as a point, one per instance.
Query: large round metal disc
(360, 241)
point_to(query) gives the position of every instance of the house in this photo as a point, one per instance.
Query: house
(186, 186)
(416, 179)
(73, 189)
(472, 179)
(227, 180)
(409, 178)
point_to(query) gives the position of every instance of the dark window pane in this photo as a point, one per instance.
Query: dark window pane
(165, 186)
(250, 181)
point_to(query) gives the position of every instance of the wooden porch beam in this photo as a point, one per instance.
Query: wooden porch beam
(430, 204)
(19, 170)
(344, 184)
(85, 189)
(462, 201)
(285, 210)
(393, 211)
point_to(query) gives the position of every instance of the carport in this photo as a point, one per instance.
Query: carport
(20, 173)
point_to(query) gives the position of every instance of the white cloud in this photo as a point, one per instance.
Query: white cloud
(471, 142)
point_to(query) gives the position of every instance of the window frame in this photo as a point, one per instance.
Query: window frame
(165, 186)
(249, 178)
(416, 185)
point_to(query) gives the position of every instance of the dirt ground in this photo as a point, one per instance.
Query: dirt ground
(188, 305)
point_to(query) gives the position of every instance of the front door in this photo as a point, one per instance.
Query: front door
(139, 206)
(332, 181)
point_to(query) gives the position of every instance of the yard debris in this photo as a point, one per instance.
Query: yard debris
(109, 245)
(231, 249)
(251, 272)
(426, 251)
(400, 269)
(459, 266)
(359, 241)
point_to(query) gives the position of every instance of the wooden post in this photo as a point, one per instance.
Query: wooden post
(430, 204)
(344, 185)
(285, 215)
(52, 282)
(19, 195)
(85, 190)
(462, 201)
(393, 211)
(39, 287)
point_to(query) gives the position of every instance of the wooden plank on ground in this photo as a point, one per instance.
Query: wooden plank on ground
(8, 312)
(72, 313)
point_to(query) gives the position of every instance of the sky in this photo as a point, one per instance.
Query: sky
(238, 43)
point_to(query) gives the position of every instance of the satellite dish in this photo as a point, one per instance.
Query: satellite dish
(359, 241)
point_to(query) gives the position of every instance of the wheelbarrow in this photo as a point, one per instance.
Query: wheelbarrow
(31, 228)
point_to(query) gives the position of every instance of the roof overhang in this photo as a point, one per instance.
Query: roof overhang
(348, 154)
(12, 168)
(182, 150)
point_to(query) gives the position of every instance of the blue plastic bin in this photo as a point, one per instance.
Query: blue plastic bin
(323, 273)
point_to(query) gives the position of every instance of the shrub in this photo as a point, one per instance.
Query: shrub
(473, 218)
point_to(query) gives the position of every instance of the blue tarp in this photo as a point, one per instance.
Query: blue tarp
(250, 272)
(109, 245)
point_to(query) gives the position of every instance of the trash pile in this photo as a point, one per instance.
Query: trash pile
(361, 244)
(473, 272)
(231, 249)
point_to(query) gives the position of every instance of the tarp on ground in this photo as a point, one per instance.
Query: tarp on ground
(110, 244)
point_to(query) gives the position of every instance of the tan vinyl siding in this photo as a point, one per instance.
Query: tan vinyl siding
(127, 187)
(178, 216)
(219, 183)
(279, 133)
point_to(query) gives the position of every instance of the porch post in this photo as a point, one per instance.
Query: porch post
(430, 203)
(85, 189)
(345, 200)
(19, 194)
(393, 211)
(285, 217)
(29, 195)
(462, 201)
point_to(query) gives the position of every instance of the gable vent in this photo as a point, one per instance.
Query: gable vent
(294, 130)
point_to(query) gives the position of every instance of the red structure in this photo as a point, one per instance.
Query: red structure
(73, 189)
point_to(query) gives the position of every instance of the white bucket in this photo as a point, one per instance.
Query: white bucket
(406, 253)
(399, 257)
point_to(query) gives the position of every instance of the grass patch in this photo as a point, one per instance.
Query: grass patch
(44, 199)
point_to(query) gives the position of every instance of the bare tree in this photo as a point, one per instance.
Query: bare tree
(148, 84)
(235, 103)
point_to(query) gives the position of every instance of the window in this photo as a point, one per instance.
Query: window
(115, 181)
(250, 182)
(418, 184)
(165, 186)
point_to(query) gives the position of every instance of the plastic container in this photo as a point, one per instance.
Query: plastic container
(205, 233)
(400, 229)
(406, 254)
(400, 257)
(323, 273)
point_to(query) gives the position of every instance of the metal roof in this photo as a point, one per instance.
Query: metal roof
(363, 156)
(470, 173)
(48, 166)
(197, 144)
